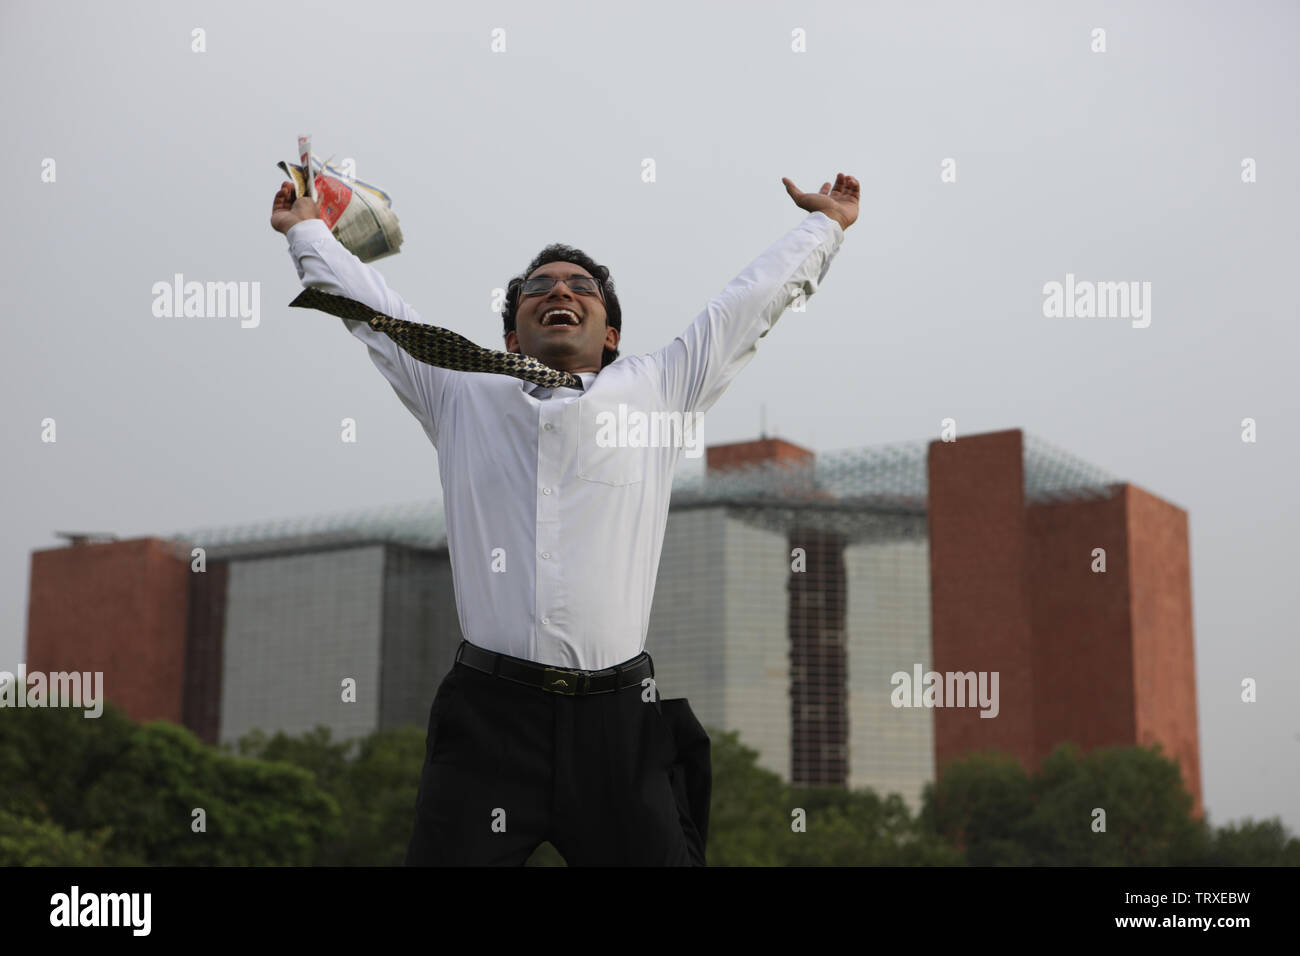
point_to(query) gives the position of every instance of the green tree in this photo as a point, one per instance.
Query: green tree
(1263, 843)
(752, 816)
(111, 792)
(314, 750)
(997, 814)
(25, 842)
(1147, 809)
(49, 757)
(978, 808)
(375, 788)
(257, 813)
(135, 787)
(749, 813)
(860, 828)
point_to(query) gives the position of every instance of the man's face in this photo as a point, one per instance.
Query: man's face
(556, 340)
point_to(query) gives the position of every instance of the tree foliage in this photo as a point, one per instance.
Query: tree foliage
(133, 789)
(111, 792)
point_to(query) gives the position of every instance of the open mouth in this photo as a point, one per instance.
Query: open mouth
(561, 318)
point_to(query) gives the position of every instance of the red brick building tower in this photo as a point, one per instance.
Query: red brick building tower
(1099, 659)
(117, 607)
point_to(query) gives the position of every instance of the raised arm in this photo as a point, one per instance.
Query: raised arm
(323, 263)
(697, 366)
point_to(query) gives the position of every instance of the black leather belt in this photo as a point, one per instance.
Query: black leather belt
(557, 680)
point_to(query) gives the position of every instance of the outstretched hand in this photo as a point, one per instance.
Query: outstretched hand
(839, 202)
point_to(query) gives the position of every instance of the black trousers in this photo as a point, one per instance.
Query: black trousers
(608, 779)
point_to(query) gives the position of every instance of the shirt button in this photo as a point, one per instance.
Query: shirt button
(546, 554)
(546, 620)
(546, 491)
(547, 426)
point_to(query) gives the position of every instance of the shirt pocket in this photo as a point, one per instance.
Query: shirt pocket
(602, 459)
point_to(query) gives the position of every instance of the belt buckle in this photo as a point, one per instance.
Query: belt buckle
(560, 681)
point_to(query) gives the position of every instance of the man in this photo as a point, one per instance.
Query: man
(548, 727)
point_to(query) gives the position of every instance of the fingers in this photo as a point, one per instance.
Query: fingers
(843, 184)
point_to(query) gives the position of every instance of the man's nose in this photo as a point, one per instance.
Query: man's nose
(555, 295)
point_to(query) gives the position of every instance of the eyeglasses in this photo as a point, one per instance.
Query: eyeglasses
(582, 285)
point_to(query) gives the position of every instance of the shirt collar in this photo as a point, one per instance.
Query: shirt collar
(587, 378)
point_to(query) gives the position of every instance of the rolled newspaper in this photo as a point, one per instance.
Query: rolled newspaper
(358, 214)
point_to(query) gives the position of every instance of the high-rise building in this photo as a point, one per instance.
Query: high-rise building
(793, 592)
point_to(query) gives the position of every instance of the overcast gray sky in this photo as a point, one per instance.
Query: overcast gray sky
(1122, 165)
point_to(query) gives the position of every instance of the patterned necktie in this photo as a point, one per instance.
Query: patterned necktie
(435, 346)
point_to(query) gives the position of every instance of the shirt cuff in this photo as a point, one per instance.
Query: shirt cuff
(821, 220)
(309, 230)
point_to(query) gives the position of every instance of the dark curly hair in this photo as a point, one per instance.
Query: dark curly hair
(559, 252)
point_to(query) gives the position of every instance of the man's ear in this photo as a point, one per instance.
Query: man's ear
(611, 337)
(512, 341)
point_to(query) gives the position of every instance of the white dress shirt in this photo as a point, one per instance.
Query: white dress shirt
(577, 527)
